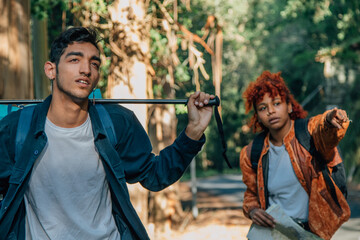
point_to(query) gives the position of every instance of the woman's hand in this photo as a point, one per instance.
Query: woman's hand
(262, 218)
(336, 117)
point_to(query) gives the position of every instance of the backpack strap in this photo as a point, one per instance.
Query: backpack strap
(222, 136)
(256, 148)
(325, 172)
(23, 128)
(26, 117)
(106, 123)
(9, 108)
(303, 136)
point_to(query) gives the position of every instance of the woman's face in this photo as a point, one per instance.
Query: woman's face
(273, 113)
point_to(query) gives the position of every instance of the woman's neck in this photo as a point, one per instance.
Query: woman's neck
(277, 136)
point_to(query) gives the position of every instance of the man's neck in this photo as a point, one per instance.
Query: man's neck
(67, 113)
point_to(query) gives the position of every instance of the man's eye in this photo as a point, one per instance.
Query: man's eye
(96, 65)
(73, 60)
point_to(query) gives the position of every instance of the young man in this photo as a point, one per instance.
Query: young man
(69, 182)
(287, 174)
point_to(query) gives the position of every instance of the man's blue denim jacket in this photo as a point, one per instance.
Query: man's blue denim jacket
(130, 161)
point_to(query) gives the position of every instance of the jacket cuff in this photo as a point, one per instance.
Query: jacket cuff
(190, 144)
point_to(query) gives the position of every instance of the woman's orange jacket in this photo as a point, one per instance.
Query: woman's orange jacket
(325, 217)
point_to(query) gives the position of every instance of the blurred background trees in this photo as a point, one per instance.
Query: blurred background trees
(170, 48)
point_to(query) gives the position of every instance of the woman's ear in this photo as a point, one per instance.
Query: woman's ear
(290, 110)
(50, 70)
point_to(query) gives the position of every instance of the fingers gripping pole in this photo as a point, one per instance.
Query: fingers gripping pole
(212, 102)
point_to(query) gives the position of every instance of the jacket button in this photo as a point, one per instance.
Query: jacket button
(36, 152)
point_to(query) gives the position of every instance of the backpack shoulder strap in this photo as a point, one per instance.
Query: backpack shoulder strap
(26, 117)
(303, 136)
(256, 149)
(23, 128)
(106, 123)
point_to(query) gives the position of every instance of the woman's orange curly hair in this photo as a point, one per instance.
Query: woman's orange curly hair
(273, 84)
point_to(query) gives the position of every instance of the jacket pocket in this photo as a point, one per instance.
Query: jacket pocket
(325, 216)
(330, 201)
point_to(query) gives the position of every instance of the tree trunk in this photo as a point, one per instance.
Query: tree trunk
(165, 206)
(15, 50)
(129, 77)
(40, 56)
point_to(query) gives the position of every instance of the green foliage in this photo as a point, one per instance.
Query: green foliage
(292, 36)
(41, 9)
(296, 36)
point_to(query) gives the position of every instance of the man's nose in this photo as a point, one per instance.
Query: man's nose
(85, 68)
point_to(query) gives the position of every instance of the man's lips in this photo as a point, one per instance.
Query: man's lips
(83, 81)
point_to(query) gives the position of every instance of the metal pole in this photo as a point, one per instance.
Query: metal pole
(212, 102)
(195, 210)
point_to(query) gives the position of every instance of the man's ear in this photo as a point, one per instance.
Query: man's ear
(50, 70)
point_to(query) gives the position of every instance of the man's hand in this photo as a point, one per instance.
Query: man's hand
(262, 218)
(336, 118)
(199, 115)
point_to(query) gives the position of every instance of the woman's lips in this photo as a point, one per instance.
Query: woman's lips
(274, 120)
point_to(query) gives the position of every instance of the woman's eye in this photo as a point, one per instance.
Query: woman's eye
(262, 109)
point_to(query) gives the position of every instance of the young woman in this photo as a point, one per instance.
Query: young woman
(287, 174)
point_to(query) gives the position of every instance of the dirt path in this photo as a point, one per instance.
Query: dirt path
(217, 219)
(222, 218)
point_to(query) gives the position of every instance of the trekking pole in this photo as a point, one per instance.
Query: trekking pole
(212, 102)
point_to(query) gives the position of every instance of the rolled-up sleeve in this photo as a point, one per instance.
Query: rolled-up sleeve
(326, 138)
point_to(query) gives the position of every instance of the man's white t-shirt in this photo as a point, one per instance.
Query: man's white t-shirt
(68, 195)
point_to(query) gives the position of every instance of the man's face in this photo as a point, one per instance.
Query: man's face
(77, 71)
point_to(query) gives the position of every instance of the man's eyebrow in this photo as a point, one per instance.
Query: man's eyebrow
(96, 58)
(74, 54)
(82, 55)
